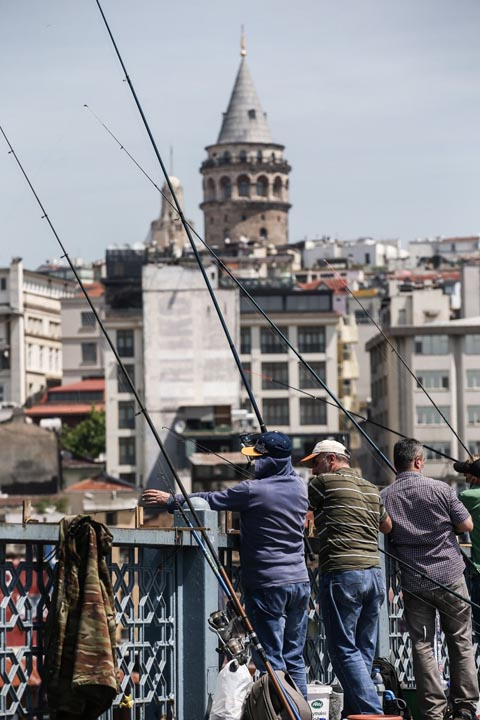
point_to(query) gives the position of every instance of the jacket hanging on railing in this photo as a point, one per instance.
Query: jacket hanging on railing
(80, 669)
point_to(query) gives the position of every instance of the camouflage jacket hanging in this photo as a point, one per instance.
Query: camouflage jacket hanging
(80, 669)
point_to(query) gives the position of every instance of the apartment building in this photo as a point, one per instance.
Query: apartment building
(82, 338)
(444, 355)
(281, 385)
(30, 332)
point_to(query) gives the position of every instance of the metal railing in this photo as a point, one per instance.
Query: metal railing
(164, 593)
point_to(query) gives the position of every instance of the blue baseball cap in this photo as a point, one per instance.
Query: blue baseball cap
(270, 444)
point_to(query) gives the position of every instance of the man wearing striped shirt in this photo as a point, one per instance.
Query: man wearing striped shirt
(348, 514)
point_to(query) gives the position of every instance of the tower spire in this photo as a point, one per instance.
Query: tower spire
(243, 43)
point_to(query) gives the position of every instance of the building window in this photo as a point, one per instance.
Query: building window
(474, 447)
(311, 339)
(262, 186)
(434, 379)
(242, 156)
(125, 343)
(3, 283)
(263, 233)
(126, 415)
(246, 340)
(122, 383)
(274, 373)
(277, 187)
(2, 393)
(270, 342)
(473, 414)
(431, 344)
(443, 447)
(243, 186)
(472, 344)
(473, 379)
(126, 451)
(128, 477)
(89, 353)
(276, 411)
(312, 412)
(428, 415)
(88, 319)
(307, 380)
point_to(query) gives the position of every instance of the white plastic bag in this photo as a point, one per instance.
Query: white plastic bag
(233, 684)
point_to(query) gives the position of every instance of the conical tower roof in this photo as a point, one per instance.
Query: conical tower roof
(244, 120)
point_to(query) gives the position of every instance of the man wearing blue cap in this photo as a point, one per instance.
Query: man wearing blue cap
(272, 510)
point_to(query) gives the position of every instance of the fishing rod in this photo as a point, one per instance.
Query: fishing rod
(186, 227)
(245, 292)
(399, 356)
(199, 533)
(189, 230)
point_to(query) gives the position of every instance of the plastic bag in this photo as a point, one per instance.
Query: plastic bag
(234, 682)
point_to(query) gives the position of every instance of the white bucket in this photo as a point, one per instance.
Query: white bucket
(319, 700)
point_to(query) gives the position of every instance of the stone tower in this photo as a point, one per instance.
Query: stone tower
(245, 176)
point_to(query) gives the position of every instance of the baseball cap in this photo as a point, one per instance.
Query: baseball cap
(272, 444)
(327, 446)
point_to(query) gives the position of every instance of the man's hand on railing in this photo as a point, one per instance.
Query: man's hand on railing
(154, 497)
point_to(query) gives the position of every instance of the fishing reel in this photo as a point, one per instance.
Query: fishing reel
(469, 467)
(231, 636)
(248, 440)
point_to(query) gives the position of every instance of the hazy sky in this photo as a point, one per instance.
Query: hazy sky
(376, 101)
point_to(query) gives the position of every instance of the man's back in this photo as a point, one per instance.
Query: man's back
(424, 512)
(348, 510)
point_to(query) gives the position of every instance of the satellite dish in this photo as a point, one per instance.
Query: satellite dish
(180, 427)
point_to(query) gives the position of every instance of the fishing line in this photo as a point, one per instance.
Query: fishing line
(357, 415)
(273, 326)
(242, 289)
(206, 451)
(186, 228)
(399, 356)
(200, 534)
(227, 334)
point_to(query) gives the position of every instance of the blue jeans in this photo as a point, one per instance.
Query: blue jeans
(350, 602)
(279, 617)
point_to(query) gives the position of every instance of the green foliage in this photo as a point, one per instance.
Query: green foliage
(86, 439)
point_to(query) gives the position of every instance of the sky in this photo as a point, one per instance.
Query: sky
(376, 101)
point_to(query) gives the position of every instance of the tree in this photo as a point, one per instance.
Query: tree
(86, 439)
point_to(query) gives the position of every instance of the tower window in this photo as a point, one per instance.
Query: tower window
(226, 188)
(243, 186)
(263, 233)
(242, 156)
(226, 157)
(252, 114)
(262, 186)
(277, 187)
(210, 190)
